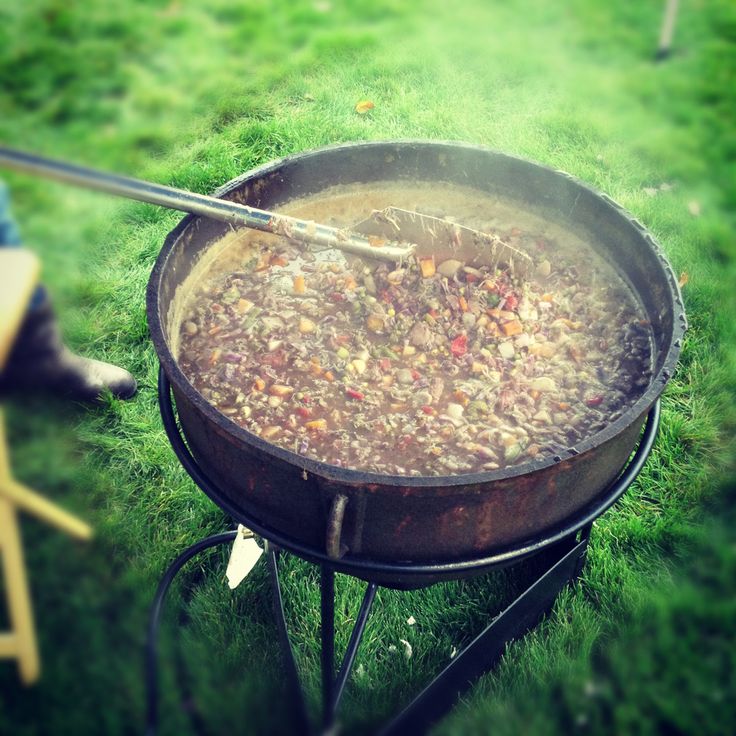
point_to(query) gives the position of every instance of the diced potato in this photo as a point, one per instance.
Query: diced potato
(542, 349)
(506, 350)
(306, 325)
(279, 389)
(374, 323)
(316, 425)
(427, 266)
(543, 383)
(449, 267)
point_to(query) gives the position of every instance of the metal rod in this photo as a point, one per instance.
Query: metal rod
(355, 638)
(327, 604)
(200, 204)
(486, 649)
(155, 620)
(292, 674)
(667, 30)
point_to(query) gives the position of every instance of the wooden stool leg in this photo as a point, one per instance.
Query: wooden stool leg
(21, 642)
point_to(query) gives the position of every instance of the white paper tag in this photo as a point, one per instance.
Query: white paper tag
(243, 557)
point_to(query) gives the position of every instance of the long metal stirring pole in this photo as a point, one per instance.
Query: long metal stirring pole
(200, 204)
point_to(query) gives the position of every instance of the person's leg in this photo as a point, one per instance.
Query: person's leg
(39, 359)
(9, 234)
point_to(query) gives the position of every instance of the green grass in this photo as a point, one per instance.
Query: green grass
(195, 94)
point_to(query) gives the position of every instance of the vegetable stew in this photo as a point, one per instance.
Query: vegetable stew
(435, 366)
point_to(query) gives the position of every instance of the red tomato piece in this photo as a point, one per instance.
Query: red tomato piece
(353, 394)
(459, 346)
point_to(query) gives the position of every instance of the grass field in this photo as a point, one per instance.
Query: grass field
(194, 94)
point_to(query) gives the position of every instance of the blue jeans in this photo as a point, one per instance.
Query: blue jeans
(10, 236)
(9, 233)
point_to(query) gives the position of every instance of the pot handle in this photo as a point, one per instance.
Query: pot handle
(335, 549)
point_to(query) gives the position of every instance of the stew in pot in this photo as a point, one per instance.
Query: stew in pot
(436, 366)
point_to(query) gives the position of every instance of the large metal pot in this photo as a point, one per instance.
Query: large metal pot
(416, 519)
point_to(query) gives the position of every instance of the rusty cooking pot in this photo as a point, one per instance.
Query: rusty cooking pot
(439, 518)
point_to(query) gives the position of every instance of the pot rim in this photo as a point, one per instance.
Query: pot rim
(362, 478)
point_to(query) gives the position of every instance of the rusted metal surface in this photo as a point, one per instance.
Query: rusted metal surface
(429, 518)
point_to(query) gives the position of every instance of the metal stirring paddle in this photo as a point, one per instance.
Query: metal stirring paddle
(383, 235)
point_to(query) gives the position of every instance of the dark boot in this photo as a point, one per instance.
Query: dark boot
(39, 361)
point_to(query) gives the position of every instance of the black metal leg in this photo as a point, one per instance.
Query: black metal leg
(355, 638)
(584, 537)
(327, 587)
(292, 675)
(485, 650)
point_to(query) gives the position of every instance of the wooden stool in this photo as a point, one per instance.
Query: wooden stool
(18, 276)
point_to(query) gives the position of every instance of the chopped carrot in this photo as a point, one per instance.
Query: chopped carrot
(463, 302)
(547, 298)
(279, 260)
(214, 330)
(259, 384)
(427, 266)
(215, 356)
(350, 282)
(512, 328)
(494, 312)
(329, 376)
(300, 285)
(376, 242)
(563, 406)
(534, 394)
